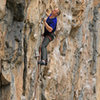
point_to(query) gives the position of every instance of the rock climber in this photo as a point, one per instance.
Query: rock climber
(49, 28)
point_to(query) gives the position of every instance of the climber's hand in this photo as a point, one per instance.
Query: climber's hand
(47, 12)
(44, 20)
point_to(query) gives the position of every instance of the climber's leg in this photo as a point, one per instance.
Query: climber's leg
(44, 51)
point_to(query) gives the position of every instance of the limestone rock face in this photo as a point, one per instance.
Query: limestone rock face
(73, 68)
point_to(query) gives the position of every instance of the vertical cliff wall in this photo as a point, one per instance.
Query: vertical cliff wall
(73, 56)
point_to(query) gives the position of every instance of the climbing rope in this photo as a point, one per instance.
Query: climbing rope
(36, 81)
(38, 68)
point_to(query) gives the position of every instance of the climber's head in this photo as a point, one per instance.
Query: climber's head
(56, 12)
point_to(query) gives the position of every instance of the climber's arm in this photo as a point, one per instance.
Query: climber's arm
(47, 13)
(49, 28)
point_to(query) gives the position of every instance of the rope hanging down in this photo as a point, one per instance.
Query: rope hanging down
(38, 68)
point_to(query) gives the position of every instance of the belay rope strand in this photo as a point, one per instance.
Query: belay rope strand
(37, 73)
(36, 81)
(38, 68)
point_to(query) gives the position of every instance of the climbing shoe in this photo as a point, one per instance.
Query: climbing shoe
(42, 63)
